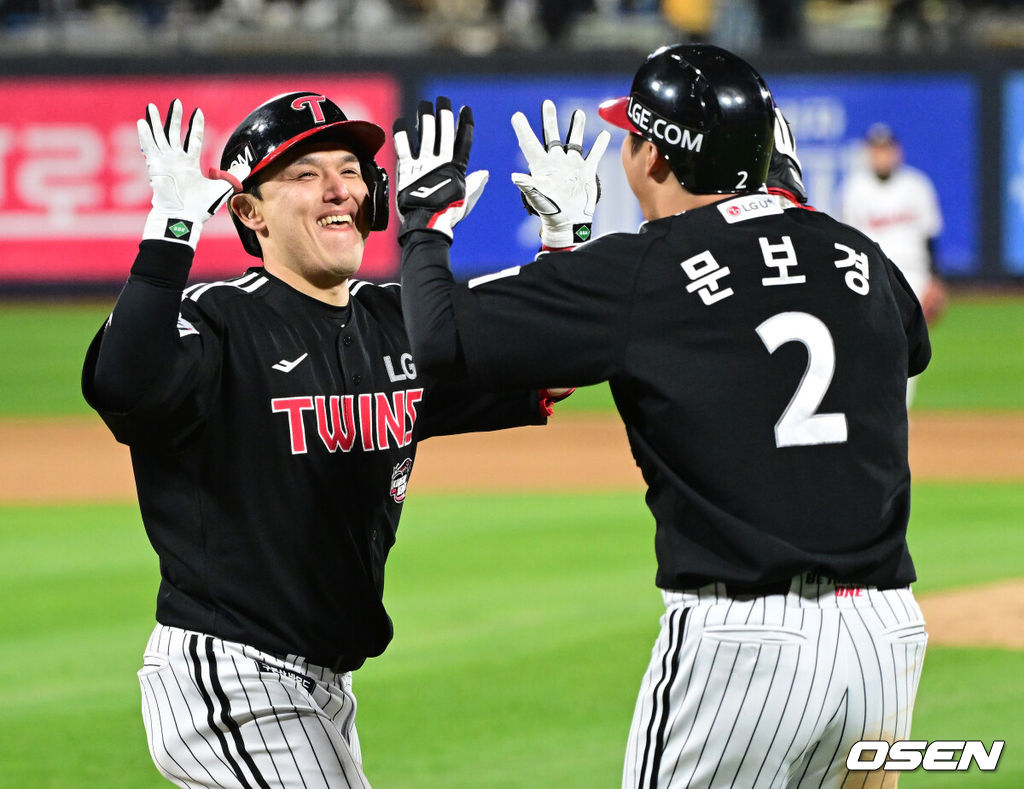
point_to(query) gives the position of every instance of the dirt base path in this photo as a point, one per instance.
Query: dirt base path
(76, 460)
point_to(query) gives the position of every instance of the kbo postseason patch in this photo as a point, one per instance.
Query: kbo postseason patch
(400, 480)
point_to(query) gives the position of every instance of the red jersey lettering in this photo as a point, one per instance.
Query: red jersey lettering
(337, 427)
(377, 419)
(294, 406)
(390, 420)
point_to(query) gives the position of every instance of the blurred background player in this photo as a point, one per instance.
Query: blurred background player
(897, 206)
(272, 420)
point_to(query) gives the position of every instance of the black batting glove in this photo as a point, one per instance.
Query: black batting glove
(784, 173)
(434, 191)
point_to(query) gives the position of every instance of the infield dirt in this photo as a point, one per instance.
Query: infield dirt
(76, 460)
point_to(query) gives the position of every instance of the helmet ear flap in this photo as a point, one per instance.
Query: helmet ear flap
(250, 242)
(376, 178)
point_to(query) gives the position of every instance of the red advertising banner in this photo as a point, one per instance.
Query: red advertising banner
(73, 187)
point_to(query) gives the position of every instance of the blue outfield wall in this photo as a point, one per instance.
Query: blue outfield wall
(1013, 173)
(936, 118)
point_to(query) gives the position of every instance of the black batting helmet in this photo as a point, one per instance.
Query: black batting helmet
(708, 112)
(292, 118)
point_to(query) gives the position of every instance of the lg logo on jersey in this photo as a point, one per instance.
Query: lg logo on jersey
(936, 756)
(405, 362)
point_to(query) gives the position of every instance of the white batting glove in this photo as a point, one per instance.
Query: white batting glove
(434, 192)
(183, 198)
(562, 187)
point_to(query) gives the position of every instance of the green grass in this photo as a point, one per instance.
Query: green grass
(44, 345)
(978, 358)
(77, 599)
(964, 534)
(523, 626)
(971, 694)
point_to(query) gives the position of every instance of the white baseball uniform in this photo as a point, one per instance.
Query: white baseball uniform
(900, 213)
(223, 714)
(766, 691)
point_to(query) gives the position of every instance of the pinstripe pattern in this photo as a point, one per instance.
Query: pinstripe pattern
(773, 691)
(221, 714)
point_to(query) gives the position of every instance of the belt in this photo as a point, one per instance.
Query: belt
(339, 664)
(782, 587)
(757, 590)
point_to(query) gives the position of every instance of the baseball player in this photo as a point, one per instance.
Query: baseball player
(896, 205)
(758, 354)
(273, 420)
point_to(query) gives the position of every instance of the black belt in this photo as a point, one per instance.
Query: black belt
(782, 587)
(339, 664)
(757, 590)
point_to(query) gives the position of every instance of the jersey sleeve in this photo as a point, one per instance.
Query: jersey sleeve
(919, 349)
(560, 321)
(451, 407)
(150, 369)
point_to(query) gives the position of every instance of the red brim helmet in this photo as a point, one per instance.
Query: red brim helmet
(614, 111)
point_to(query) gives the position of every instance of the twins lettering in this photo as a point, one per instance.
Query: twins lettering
(380, 420)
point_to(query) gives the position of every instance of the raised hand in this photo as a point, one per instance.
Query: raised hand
(183, 198)
(562, 187)
(434, 191)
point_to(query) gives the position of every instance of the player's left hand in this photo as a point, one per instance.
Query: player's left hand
(785, 176)
(183, 198)
(934, 301)
(562, 187)
(434, 191)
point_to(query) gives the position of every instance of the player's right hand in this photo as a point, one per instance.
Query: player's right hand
(562, 187)
(785, 176)
(434, 191)
(183, 198)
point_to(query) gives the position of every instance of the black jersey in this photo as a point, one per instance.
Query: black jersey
(758, 358)
(272, 454)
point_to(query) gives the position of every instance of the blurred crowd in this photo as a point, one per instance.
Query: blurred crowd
(481, 26)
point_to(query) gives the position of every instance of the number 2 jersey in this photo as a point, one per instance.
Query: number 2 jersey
(758, 357)
(272, 449)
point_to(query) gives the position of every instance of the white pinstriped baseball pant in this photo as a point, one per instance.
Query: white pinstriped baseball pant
(773, 691)
(223, 714)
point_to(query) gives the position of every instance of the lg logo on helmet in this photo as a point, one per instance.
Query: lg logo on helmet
(313, 103)
(649, 121)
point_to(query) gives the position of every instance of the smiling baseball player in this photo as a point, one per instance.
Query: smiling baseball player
(273, 421)
(758, 354)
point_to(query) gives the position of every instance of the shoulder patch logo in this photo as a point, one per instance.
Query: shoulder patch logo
(400, 480)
